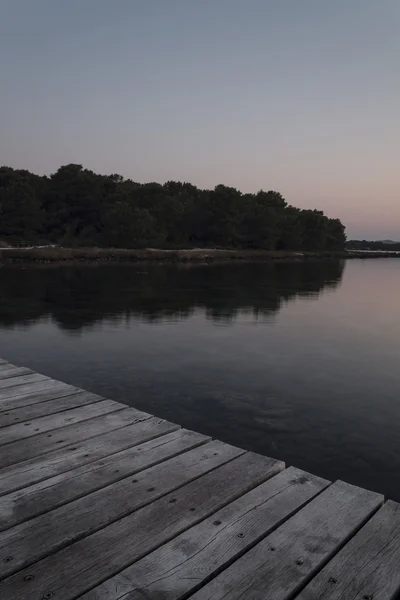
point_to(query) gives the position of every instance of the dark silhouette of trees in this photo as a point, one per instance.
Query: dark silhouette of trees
(76, 206)
(384, 245)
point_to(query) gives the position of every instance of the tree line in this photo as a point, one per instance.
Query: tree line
(75, 206)
(387, 246)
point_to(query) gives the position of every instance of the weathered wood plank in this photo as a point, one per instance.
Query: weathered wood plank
(57, 461)
(22, 380)
(42, 409)
(20, 431)
(14, 372)
(28, 389)
(6, 365)
(72, 571)
(367, 567)
(58, 390)
(189, 560)
(46, 442)
(62, 526)
(42, 497)
(283, 562)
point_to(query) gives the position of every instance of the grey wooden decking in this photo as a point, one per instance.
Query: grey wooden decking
(100, 501)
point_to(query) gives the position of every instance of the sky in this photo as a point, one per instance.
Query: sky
(299, 96)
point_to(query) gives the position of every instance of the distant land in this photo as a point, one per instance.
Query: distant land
(386, 245)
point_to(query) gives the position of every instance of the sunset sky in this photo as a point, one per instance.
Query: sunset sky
(300, 96)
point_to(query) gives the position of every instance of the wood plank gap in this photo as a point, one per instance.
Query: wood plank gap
(61, 391)
(15, 382)
(280, 565)
(47, 495)
(21, 431)
(55, 462)
(180, 567)
(46, 442)
(367, 566)
(28, 389)
(78, 519)
(14, 372)
(78, 567)
(49, 407)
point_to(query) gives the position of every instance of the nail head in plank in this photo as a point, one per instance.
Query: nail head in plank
(90, 513)
(47, 495)
(12, 382)
(29, 389)
(61, 460)
(59, 438)
(86, 563)
(367, 566)
(20, 431)
(58, 390)
(188, 561)
(42, 409)
(302, 545)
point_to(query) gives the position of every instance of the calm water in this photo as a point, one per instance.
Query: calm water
(297, 361)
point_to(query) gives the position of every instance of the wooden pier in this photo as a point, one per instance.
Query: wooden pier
(100, 501)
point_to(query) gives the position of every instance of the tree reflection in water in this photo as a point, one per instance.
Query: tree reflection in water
(76, 297)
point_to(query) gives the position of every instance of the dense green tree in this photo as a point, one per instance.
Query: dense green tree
(128, 226)
(291, 230)
(76, 206)
(20, 215)
(314, 225)
(74, 203)
(336, 237)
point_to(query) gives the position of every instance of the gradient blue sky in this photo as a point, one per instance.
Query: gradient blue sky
(301, 96)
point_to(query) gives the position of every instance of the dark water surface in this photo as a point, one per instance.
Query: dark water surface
(299, 361)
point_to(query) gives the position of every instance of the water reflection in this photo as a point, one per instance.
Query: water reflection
(79, 297)
(318, 390)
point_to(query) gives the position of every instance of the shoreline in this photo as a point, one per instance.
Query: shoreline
(48, 255)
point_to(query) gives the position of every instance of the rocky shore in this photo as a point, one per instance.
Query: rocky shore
(100, 255)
